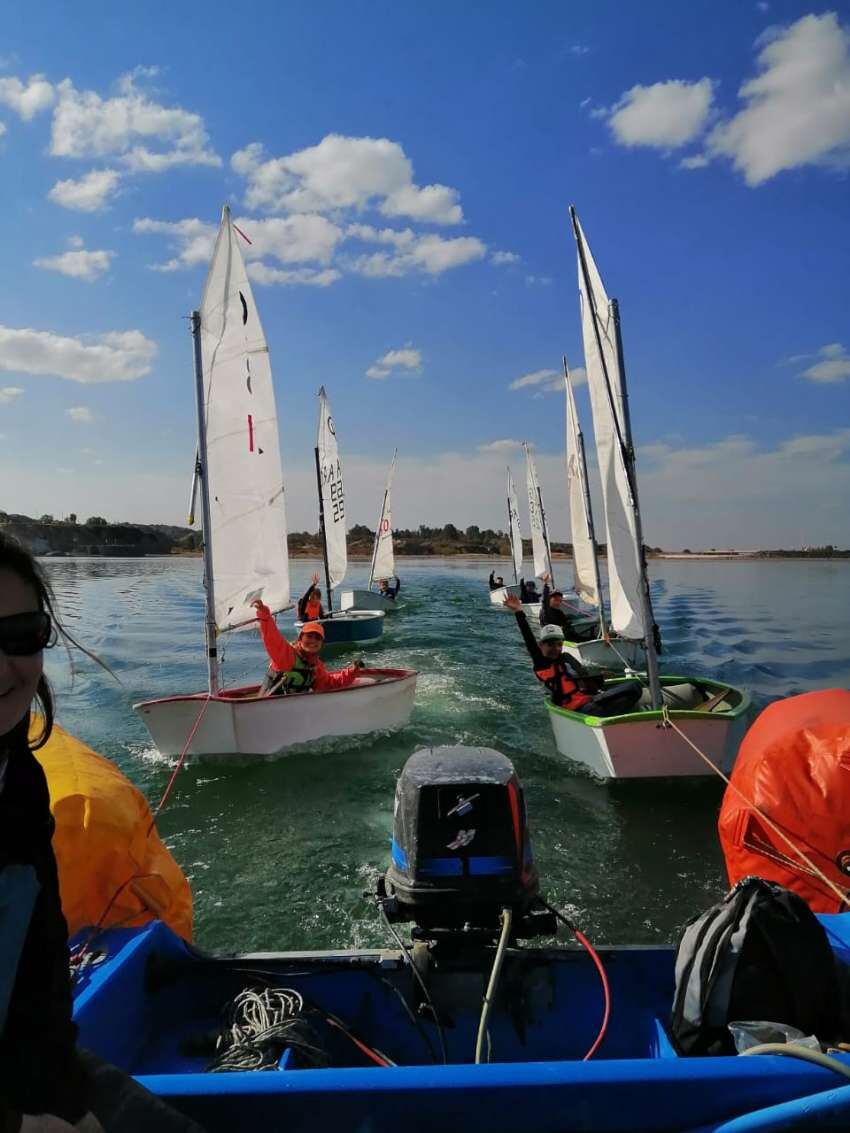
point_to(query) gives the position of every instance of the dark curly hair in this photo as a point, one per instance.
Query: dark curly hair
(15, 557)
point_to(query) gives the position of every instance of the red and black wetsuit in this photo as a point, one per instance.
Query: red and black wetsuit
(564, 677)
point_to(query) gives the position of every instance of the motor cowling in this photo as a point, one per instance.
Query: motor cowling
(461, 851)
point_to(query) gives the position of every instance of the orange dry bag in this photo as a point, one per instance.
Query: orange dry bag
(794, 766)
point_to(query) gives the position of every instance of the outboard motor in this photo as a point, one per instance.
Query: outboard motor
(460, 849)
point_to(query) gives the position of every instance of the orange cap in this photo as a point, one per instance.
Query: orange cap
(314, 627)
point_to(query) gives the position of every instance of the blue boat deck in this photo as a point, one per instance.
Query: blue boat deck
(153, 1007)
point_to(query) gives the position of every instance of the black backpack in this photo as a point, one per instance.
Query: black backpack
(760, 954)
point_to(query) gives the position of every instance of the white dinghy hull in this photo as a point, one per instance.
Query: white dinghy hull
(610, 657)
(638, 746)
(366, 600)
(239, 722)
(498, 596)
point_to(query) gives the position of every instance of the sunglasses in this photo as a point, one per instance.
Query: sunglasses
(23, 635)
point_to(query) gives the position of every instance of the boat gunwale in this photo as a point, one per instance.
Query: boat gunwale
(654, 715)
(393, 676)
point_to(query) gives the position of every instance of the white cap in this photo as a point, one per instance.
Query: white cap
(551, 633)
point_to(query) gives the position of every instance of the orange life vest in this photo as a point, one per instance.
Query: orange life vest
(312, 609)
(558, 680)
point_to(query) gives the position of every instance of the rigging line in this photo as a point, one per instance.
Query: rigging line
(771, 825)
(406, 953)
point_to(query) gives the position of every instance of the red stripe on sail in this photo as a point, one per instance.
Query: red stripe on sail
(250, 433)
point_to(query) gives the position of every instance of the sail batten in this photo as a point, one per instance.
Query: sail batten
(242, 471)
(332, 490)
(585, 563)
(515, 531)
(607, 400)
(383, 557)
(537, 519)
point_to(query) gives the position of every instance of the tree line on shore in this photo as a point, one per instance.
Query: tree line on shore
(49, 534)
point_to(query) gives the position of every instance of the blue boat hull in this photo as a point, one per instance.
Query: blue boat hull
(146, 1007)
(351, 628)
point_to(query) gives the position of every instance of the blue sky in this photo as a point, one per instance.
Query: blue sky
(404, 171)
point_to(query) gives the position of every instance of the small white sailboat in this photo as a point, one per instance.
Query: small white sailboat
(497, 596)
(238, 471)
(605, 651)
(348, 627)
(636, 744)
(540, 549)
(382, 568)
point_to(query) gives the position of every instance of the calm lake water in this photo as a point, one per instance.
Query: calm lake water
(280, 851)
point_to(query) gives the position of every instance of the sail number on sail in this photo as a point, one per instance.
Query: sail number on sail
(332, 483)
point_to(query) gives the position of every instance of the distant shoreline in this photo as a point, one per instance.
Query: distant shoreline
(502, 564)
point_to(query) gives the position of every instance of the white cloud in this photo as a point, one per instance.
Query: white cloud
(87, 194)
(504, 258)
(344, 173)
(505, 445)
(2, 129)
(79, 263)
(538, 281)
(8, 394)
(289, 240)
(429, 253)
(833, 367)
(143, 135)
(797, 110)
(833, 350)
(311, 277)
(664, 115)
(80, 415)
(119, 356)
(535, 378)
(407, 358)
(26, 99)
(790, 495)
(549, 381)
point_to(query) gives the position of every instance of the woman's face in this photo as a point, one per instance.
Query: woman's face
(18, 675)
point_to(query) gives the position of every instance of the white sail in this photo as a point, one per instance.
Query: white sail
(333, 493)
(585, 567)
(539, 540)
(383, 559)
(242, 461)
(606, 399)
(515, 529)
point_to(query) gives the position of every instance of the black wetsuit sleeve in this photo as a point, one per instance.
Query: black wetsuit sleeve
(537, 658)
(492, 580)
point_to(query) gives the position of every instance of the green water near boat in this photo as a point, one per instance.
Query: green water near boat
(280, 851)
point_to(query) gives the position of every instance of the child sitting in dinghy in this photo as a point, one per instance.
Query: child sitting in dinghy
(569, 685)
(310, 607)
(297, 668)
(47, 1085)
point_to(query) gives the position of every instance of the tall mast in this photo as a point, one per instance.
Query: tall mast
(511, 529)
(627, 456)
(213, 673)
(546, 539)
(323, 533)
(588, 510)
